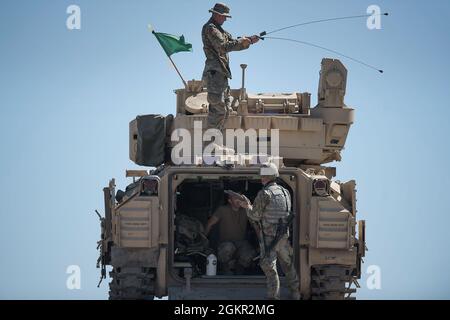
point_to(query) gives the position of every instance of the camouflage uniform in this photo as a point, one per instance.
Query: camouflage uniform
(216, 45)
(272, 203)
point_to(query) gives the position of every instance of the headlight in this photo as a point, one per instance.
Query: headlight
(320, 187)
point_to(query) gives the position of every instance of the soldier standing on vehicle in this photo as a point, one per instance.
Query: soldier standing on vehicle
(216, 45)
(272, 204)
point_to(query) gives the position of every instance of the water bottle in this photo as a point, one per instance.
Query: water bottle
(211, 265)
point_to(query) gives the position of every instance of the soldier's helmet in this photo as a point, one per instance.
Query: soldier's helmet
(269, 170)
(222, 9)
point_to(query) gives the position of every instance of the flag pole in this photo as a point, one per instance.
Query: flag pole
(178, 71)
(150, 28)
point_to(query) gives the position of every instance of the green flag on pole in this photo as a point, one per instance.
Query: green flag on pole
(172, 44)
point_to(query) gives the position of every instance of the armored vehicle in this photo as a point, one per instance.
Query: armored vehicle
(153, 231)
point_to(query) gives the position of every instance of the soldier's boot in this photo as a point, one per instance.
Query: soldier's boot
(271, 295)
(293, 284)
(230, 112)
(273, 284)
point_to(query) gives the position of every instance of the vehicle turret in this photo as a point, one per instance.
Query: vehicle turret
(306, 135)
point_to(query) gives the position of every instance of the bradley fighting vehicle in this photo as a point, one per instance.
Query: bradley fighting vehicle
(153, 231)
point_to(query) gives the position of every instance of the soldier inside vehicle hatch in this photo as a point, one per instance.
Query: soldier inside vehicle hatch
(234, 252)
(216, 45)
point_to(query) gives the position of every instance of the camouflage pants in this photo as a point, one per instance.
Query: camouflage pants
(230, 253)
(218, 98)
(284, 252)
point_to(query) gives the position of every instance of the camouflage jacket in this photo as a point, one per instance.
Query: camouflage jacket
(264, 202)
(216, 45)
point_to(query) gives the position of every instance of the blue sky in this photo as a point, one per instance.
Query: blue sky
(66, 99)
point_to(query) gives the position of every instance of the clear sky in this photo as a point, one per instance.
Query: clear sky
(66, 98)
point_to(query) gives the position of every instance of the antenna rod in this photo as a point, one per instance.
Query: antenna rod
(329, 50)
(262, 34)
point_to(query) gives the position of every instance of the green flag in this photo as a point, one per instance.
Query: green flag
(172, 44)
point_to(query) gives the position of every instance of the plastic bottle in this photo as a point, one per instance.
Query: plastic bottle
(211, 265)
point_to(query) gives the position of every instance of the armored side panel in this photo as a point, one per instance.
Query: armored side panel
(137, 223)
(331, 224)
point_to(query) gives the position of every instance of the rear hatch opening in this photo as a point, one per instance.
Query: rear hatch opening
(195, 201)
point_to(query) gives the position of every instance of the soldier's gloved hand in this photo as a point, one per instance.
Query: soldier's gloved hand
(254, 39)
(243, 204)
(246, 204)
